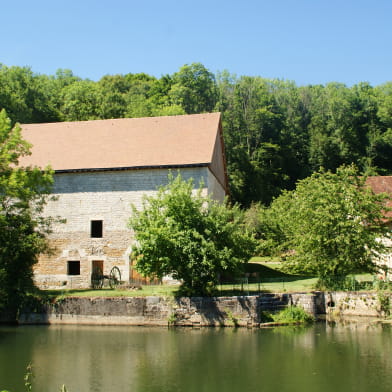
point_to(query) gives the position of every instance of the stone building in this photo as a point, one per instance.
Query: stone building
(102, 167)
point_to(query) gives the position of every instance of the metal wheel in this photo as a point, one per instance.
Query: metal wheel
(96, 280)
(114, 277)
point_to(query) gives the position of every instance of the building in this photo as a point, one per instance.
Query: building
(101, 168)
(383, 184)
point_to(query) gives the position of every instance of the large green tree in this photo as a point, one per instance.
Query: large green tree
(194, 89)
(23, 193)
(25, 96)
(332, 221)
(191, 237)
(265, 138)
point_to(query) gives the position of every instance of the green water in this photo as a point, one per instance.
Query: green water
(322, 358)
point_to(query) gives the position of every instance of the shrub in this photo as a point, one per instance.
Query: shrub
(293, 314)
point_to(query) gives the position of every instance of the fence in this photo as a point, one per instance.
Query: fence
(252, 284)
(140, 281)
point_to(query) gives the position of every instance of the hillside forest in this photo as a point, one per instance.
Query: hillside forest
(275, 131)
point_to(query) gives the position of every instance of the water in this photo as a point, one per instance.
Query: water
(322, 358)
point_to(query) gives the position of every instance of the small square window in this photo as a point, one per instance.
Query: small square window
(96, 229)
(73, 268)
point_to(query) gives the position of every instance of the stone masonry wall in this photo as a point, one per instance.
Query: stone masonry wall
(198, 311)
(106, 196)
(372, 304)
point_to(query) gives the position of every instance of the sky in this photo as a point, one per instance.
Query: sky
(306, 41)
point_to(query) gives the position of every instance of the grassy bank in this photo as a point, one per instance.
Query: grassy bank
(262, 276)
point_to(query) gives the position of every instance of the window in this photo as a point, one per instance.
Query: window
(73, 268)
(96, 229)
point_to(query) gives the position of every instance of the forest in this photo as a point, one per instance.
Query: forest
(275, 131)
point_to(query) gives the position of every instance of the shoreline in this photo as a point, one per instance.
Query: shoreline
(238, 311)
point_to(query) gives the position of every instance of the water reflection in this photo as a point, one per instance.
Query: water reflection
(321, 358)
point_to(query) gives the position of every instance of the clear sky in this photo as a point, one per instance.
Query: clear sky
(307, 41)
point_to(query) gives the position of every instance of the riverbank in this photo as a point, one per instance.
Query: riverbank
(242, 311)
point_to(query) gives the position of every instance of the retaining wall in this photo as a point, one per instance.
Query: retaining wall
(201, 311)
(372, 304)
(197, 311)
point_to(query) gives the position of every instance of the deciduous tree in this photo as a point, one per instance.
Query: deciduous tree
(333, 222)
(191, 237)
(23, 193)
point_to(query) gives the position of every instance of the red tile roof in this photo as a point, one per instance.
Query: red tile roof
(123, 143)
(381, 184)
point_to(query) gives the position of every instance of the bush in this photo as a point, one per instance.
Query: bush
(293, 314)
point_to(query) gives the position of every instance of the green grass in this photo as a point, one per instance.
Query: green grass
(146, 291)
(266, 259)
(271, 285)
(271, 280)
(301, 284)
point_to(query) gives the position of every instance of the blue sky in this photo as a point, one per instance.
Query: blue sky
(308, 41)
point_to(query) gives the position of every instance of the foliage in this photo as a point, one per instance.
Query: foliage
(194, 89)
(384, 300)
(333, 224)
(230, 316)
(23, 193)
(81, 100)
(293, 314)
(25, 96)
(192, 237)
(266, 224)
(28, 378)
(340, 282)
(275, 131)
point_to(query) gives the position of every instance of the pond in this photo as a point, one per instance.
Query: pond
(353, 357)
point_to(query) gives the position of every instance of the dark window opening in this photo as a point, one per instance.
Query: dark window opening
(96, 229)
(73, 267)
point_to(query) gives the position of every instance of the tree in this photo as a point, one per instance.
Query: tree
(23, 193)
(81, 100)
(26, 96)
(194, 89)
(333, 222)
(191, 237)
(114, 89)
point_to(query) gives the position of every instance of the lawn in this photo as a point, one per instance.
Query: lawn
(145, 291)
(269, 279)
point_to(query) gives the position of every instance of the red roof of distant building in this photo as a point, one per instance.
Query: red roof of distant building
(381, 184)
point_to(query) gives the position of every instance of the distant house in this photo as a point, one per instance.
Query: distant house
(383, 184)
(101, 168)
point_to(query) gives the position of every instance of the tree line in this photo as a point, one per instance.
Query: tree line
(275, 132)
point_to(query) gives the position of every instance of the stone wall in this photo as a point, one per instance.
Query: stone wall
(198, 311)
(203, 311)
(372, 304)
(104, 196)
